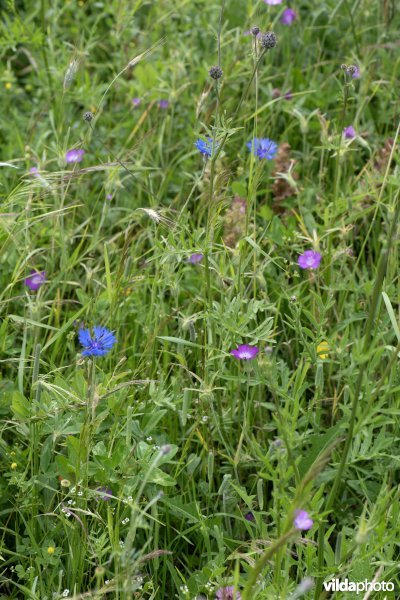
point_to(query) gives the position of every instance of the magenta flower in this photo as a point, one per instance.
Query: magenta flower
(302, 520)
(249, 516)
(163, 103)
(226, 593)
(35, 280)
(349, 132)
(309, 260)
(74, 156)
(288, 16)
(136, 102)
(195, 258)
(245, 352)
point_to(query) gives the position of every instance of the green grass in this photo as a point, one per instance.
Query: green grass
(188, 438)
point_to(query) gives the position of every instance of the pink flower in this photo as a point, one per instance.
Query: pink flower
(349, 132)
(288, 16)
(35, 280)
(74, 156)
(245, 352)
(309, 260)
(195, 258)
(302, 520)
(226, 593)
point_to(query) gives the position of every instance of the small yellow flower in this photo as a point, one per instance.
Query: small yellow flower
(51, 550)
(322, 350)
(14, 466)
(8, 85)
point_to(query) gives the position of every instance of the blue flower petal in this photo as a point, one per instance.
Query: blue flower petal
(84, 337)
(99, 344)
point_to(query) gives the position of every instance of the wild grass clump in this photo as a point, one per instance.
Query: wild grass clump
(199, 300)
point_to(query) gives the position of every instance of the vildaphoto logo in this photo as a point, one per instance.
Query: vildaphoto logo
(335, 585)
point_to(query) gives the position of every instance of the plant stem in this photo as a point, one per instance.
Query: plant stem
(366, 345)
(261, 563)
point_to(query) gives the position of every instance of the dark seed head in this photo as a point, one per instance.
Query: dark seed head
(255, 31)
(215, 72)
(268, 40)
(88, 116)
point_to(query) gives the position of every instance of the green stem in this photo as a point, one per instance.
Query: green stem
(366, 345)
(247, 593)
(44, 49)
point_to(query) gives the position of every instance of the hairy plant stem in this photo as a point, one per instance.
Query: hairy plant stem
(34, 434)
(247, 593)
(43, 46)
(336, 179)
(381, 270)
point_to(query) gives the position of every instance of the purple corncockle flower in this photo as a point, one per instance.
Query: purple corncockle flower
(309, 260)
(206, 146)
(263, 148)
(136, 102)
(99, 344)
(109, 196)
(349, 132)
(163, 103)
(302, 520)
(195, 258)
(105, 493)
(74, 156)
(35, 280)
(249, 516)
(288, 16)
(245, 352)
(226, 593)
(34, 171)
(273, 2)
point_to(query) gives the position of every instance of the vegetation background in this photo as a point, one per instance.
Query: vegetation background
(168, 468)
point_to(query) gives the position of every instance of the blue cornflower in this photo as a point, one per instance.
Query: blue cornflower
(263, 148)
(206, 147)
(99, 344)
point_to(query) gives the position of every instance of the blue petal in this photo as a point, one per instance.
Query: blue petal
(84, 337)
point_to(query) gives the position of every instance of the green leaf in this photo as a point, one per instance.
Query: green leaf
(176, 340)
(392, 316)
(161, 478)
(20, 405)
(318, 444)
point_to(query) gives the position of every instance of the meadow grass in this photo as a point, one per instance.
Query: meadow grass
(165, 466)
